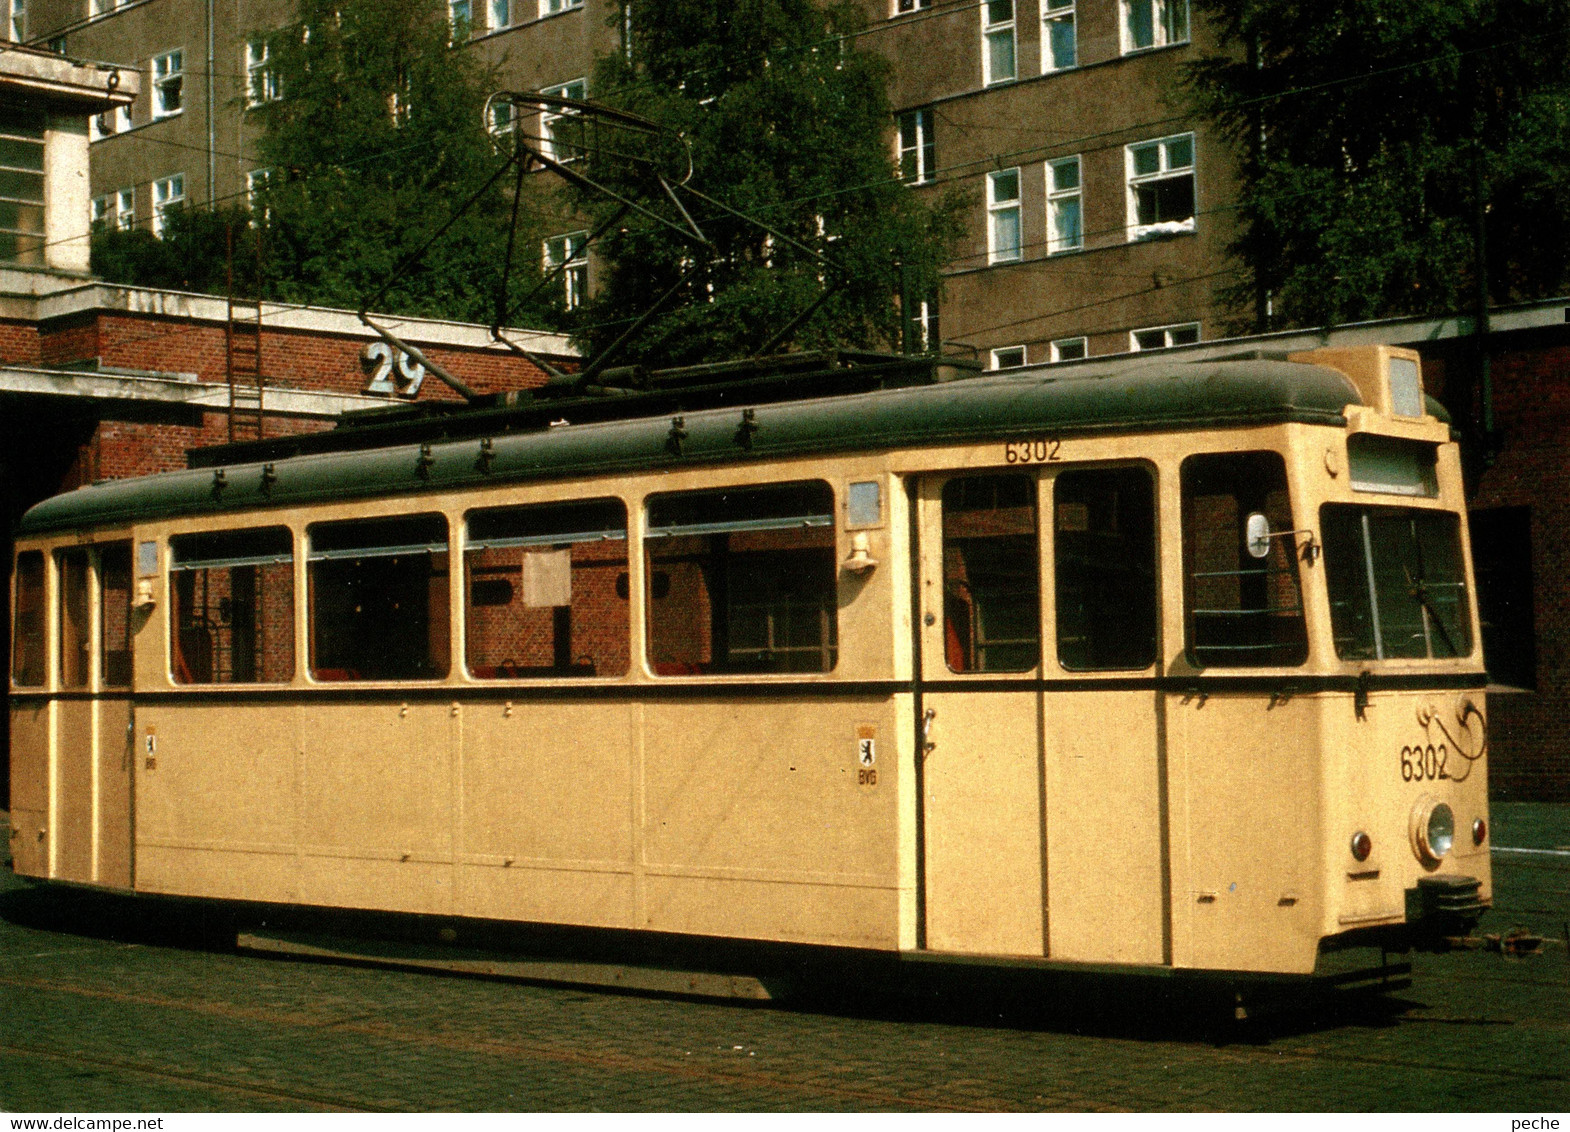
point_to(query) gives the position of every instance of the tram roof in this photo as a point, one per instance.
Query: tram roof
(1157, 396)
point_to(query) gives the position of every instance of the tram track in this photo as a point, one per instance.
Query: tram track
(173, 1076)
(497, 1047)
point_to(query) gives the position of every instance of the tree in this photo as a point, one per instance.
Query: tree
(1388, 149)
(375, 142)
(786, 122)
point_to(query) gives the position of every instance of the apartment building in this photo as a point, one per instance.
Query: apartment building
(1100, 209)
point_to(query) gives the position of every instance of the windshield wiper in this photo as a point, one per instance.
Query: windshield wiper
(1418, 590)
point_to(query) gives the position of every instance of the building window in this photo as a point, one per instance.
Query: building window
(570, 253)
(901, 7)
(232, 607)
(101, 126)
(122, 118)
(1007, 357)
(378, 599)
(561, 134)
(22, 186)
(546, 590)
(261, 80)
(1059, 44)
(1161, 187)
(125, 209)
(18, 22)
(1067, 349)
(256, 182)
(168, 195)
(1003, 235)
(1154, 23)
(1065, 226)
(551, 7)
(997, 41)
(460, 18)
(500, 13)
(98, 215)
(918, 154)
(503, 117)
(105, 7)
(1160, 337)
(742, 580)
(168, 83)
(922, 333)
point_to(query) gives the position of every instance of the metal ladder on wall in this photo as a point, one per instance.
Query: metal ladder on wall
(243, 357)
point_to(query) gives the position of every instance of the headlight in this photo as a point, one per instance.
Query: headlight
(1433, 830)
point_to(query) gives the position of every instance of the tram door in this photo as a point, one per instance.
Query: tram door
(91, 755)
(1042, 786)
(982, 776)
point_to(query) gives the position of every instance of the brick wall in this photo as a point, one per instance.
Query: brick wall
(1529, 739)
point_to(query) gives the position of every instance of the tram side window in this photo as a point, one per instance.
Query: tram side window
(991, 574)
(378, 599)
(743, 580)
(1397, 583)
(27, 642)
(75, 633)
(114, 615)
(1105, 552)
(547, 590)
(232, 613)
(1242, 611)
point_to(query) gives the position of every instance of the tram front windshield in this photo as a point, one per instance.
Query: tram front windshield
(1397, 583)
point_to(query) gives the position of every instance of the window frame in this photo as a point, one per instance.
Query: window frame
(125, 209)
(261, 81)
(167, 74)
(922, 151)
(1059, 199)
(16, 21)
(996, 210)
(548, 118)
(1161, 27)
(1056, 348)
(492, 22)
(1167, 333)
(907, 7)
(1066, 12)
(995, 30)
(171, 190)
(556, 7)
(995, 358)
(1164, 172)
(1150, 601)
(570, 252)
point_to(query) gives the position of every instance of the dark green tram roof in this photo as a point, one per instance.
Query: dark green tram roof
(1154, 397)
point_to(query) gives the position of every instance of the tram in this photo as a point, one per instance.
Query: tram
(1173, 666)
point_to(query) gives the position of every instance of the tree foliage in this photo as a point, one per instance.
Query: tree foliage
(783, 121)
(377, 139)
(1382, 143)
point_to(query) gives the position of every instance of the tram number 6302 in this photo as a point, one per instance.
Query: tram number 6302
(1043, 451)
(1422, 763)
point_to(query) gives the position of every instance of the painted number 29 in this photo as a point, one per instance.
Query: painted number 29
(410, 373)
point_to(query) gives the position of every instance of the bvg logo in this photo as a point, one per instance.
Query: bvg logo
(1455, 751)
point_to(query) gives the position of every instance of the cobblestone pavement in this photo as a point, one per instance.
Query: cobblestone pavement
(171, 1020)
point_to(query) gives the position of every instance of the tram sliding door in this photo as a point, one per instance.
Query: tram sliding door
(1043, 823)
(981, 781)
(91, 757)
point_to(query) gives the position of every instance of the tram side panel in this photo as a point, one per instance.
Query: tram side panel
(217, 795)
(773, 819)
(30, 748)
(548, 805)
(1246, 813)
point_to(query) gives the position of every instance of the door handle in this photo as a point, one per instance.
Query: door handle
(927, 745)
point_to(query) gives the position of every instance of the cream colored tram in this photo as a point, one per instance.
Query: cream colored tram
(1177, 667)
